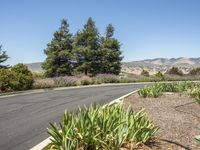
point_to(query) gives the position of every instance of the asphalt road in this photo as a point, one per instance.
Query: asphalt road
(24, 119)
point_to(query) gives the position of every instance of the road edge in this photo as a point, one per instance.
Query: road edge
(47, 141)
(19, 93)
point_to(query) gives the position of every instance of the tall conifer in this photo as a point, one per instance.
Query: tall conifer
(59, 59)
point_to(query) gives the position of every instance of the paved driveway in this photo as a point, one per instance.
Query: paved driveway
(24, 119)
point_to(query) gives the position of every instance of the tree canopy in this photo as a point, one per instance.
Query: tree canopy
(59, 53)
(87, 52)
(3, 57)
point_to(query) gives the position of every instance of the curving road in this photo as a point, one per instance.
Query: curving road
(24, 118)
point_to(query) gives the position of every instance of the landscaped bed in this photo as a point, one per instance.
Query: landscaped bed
(173, 123)
(176, 113)
(102, 128)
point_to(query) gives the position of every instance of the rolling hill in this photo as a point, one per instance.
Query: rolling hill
(160, 64)
(151, 65)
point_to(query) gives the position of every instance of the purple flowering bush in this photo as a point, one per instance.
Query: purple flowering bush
(43, 83)
(65, 81)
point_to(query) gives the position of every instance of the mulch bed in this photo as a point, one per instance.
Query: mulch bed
(176, 114)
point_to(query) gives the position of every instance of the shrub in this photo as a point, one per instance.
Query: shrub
(23, 77)
(6, 80)
(127, 80)
(97, 127)
(16, 78)
(65, 81)
(106, 78)
(43, 83)
(175, 71)
(160, 76)
(145, 73)
(84, 80)
(38, 75)
(195, 71)
(195, 92)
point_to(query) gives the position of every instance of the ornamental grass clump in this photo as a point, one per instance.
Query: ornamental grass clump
(151, 91)
(192, 88)
(101, 128)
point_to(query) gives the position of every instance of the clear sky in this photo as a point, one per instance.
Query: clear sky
(146, 28)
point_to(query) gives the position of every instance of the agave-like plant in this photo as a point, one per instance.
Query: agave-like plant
(97, 128)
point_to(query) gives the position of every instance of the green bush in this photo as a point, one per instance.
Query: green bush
(195, 71)
(16, 78)
(145, 73)
(38, 75)
(175, 71)
(97, 127)
(23, 77)
(6, 80)
(160, 76)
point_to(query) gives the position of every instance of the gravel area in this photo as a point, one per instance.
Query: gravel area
(176, 114)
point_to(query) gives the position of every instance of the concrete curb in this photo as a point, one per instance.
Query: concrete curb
(18, 93)
(47, 141)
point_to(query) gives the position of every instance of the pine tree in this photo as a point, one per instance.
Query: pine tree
(59, 59)
(3, 57)
(86, 46)
(110, 53)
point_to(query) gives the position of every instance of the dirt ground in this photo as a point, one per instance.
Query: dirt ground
(176, 114)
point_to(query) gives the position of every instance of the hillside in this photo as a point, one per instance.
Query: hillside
(35, 67)
(160, 64)
(151, 65)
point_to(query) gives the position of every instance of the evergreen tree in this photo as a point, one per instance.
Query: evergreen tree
(3, 57)
(59, 59)
(110, 53)
(86, 44)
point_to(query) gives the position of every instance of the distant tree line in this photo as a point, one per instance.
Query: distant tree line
(86, 52)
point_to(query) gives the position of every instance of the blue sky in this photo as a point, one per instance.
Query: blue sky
(146, 28)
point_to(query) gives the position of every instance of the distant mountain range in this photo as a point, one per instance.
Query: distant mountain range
(160, 64)
(35, 67)
(151, 65)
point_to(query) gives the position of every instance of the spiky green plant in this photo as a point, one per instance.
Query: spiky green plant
(97, 128)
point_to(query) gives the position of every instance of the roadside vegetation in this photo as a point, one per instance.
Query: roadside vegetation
(83, 58)
(174, 107)
(87, 52)
(192, 88)
(15, 78)
(98, 127)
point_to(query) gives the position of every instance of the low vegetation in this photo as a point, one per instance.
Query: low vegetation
(192, 88)
(175, 71)
(15, 78)
(105, 128)
(195, 71)
(145, 73)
